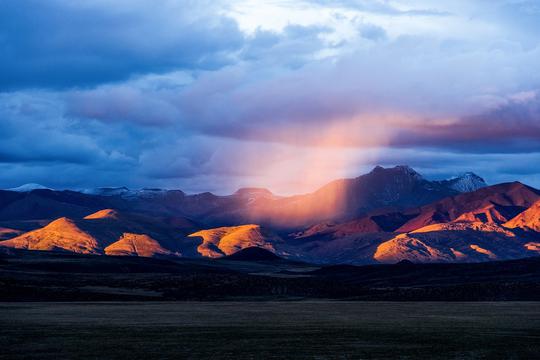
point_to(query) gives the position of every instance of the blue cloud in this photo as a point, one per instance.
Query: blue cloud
(380, 7)
(59, 44)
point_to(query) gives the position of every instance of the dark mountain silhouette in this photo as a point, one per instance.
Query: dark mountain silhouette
(399, 188)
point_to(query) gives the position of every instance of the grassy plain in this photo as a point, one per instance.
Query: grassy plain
(270, 330)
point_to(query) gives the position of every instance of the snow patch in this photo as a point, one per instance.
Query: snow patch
(29, 187)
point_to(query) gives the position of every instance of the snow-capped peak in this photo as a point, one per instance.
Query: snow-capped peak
(29, 187)
(107, 191)
(125, 192)
(467, 182)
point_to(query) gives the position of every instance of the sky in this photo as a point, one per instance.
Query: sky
(216, 95)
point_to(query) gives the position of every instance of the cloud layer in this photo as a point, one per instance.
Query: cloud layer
(213, 96)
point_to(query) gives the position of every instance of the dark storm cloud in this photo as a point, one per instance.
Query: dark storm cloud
(58, 44)
(508, 128)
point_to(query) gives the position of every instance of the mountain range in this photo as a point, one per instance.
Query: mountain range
(387, 215)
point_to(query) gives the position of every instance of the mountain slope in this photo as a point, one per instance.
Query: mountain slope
(504, 201)
(49, 204)
(456, 242)
(527, 220)
(463, 228)
(61, 234)
(253, 254)
(399, 188)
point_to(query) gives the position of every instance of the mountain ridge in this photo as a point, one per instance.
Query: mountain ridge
(386, 215)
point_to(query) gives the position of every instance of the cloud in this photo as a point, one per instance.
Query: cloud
(409, 92)
(372, 32)
(380, 7)
(121, 103)
(178, 96)
(294, 46)
(511, 127)
(59, 44)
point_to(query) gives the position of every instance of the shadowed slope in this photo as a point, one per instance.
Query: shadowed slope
(8, 233)
(253, 254)
(49, 204)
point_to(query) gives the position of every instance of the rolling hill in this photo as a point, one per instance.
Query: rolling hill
(223, 241)
(107, 232)
(527, 220)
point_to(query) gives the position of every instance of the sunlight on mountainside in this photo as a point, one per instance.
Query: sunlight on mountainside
(228, 240)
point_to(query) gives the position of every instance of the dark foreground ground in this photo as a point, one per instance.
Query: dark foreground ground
(270, 330)
(48, 276)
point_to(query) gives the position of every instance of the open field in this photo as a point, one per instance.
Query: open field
(275, 330)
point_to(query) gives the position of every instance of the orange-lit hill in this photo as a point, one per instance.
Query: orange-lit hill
(223, 241)
(136, 244)
(61, 234)
(455, 242)
(106, 232)
(527, 220)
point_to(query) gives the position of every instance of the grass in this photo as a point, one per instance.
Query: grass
(270, 330)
